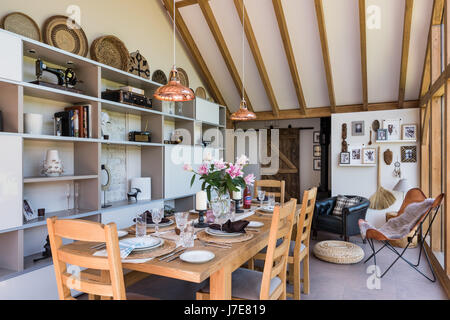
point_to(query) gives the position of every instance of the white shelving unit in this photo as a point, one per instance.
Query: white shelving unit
(20, 241)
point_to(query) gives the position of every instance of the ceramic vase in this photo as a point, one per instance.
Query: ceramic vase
(52, 164)
(33, 123)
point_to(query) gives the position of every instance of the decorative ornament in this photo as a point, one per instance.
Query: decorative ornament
(397, 171)
(388, 157)
(344, 136)
(139, 65)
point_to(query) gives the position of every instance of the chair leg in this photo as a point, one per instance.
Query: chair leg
(201, 296)
(251, 264)
(306, 274)
(291, 273)
(297, 284)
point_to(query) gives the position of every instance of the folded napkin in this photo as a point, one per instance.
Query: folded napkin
(125, 251)
(150, 219)
(231, 227)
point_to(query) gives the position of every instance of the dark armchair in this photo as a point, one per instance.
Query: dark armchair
(345, 225)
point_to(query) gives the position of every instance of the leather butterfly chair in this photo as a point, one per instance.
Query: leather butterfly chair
(412, 196)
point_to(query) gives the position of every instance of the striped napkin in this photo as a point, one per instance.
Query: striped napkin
(125, 250)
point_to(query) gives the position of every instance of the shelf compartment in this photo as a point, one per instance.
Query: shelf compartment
(11, 253)
(63, 214)
(11, 106)
(128, 79)
(56, 179)
(38, 91)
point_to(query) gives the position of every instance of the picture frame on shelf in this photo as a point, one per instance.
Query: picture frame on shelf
(408, 154)
(381, 134)
(28, 212)
(409, 132)
(316, 137)
(369, 155)
(317, 165)
(317, 151)
(344, 158)
(356, 155)
(393, 128)
(358, 128)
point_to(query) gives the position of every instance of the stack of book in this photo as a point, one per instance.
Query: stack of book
(74, 121)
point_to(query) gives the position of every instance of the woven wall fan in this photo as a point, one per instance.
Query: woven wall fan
(139, 65)
(200, 92)
(184, 79)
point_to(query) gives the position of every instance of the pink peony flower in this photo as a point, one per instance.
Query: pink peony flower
(234, 171)
(187, 167)
(203, 169)
(250, 179)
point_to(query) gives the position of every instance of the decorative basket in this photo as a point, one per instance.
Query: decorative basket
(111, 51)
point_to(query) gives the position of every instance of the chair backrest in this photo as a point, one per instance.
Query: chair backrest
(277, 255)
(435, 206)
(110, 283)
(413, 195)
(305, 219)
(271, 184)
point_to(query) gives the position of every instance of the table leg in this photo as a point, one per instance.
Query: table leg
(220, 284)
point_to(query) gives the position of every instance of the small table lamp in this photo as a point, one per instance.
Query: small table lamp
(402, 186)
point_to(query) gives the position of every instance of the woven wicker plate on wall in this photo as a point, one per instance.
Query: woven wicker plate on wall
(200, 92)
(21, 24)
(111, 51)
(58, 34)
(139, 65)
(160, 77)
(184, 79)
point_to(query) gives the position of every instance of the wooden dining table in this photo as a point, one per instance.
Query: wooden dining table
(218, 270)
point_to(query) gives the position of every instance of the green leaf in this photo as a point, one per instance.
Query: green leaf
(192, 180)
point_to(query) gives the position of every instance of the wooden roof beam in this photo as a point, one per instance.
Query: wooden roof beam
(257, 56)
(325, 53)
(195, 53)
(362, 34)
(220, 41)
(279, 13)
(409, 5)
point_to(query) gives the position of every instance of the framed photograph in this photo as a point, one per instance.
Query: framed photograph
(355, 155)
(382, 135)
(345, 158)
(317, 165)
(369, 155)
(28, 212)
(409, 154)
(316, 137)
(358, 128)
(317, 151)
(409, 132)
(393, 129)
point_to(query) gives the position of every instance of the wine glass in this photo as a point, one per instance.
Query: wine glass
(67, 194)
(181, 218)
(157, 215)
(261, 196)
(76, 196)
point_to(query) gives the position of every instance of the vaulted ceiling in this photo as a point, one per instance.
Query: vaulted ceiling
(306, 54)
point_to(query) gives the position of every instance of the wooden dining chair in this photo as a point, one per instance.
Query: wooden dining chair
(108, 283)
(264, 184)
(271, 283)
(299, 249)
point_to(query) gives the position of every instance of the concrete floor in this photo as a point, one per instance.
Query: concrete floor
(330, 281)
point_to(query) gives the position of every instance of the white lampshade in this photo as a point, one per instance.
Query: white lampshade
(402, 186)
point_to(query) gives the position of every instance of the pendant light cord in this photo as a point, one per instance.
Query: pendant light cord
(243, 48)
(174, 17)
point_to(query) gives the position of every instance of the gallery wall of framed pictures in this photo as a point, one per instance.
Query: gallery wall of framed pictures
(317, 151)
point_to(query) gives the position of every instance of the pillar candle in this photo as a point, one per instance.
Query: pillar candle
(237, 195)
(201, 201)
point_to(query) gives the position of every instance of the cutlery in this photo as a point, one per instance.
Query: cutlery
(171, 254)
(216, 244)
(99, 246)
(175, 257)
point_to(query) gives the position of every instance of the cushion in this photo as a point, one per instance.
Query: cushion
(246, 284)
(339, 252)
(344, 202)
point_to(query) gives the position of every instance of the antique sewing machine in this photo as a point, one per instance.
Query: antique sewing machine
(67, 79)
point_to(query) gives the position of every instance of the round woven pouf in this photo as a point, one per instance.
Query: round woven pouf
(339, 252)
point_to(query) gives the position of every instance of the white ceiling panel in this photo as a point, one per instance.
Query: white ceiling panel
(231, 28)
(304, 33)
(418, 46)
(384, 49)
(268, 37)
(193, 17)
(342, 25)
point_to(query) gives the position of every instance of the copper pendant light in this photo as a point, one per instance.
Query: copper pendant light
(243, 114)
(174, 90)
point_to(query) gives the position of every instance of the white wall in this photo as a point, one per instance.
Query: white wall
(142, 26)
(308, 177)
(362, 181)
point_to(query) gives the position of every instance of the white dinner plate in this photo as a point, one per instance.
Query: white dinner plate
(255, 224)
(166, 224)
(218, 233)
(122, 233)
(142, 243)
(197, 256)
(161, 242)
(267, 208)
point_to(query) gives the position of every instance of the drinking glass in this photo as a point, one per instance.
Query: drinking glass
(261, 196)
(76, 196)
(181, 218)
(141, 224)
(217, 208)
(157, 215)
(271, 200)
(67, 194)
(188, 235)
